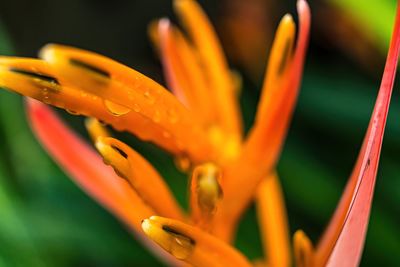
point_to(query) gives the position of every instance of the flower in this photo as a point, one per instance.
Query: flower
(202, 128)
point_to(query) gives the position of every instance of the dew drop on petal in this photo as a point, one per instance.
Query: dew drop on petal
(72, 112)
(166, 134)
(45, 96)
(182, 162)
(181, 248)
(179, 245)
(46, 99)
(157, 116)
(116, 109)
(172, 116)
(149, 97)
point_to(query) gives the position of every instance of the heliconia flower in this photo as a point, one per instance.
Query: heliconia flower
(201, 127)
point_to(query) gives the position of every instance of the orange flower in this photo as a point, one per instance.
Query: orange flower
(201, 126)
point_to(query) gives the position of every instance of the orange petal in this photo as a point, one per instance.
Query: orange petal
(36, 79)
(184, 74)
(192, 245)
(83, 164)
(343, 240)
(130, 89)
(276, 72)
(214, 64)
(146, 181)
(262, 148)
(96, 129)
(95, 86)
(87, 169)
(263, 145)
(273, 222)
(303, 250)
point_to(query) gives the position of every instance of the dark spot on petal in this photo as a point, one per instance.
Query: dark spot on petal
(122, 153)
(120, 174)
(170, 230)
(40, 76)
(84, 65)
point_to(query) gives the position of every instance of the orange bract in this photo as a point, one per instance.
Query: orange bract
(145, 180)
(90, 173)
(185, 74)
(342, 243)
(86, 166)
(262, 147)
(214, 65)
(272, 216)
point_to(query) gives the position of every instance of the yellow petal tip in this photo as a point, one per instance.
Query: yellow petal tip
(167, 237)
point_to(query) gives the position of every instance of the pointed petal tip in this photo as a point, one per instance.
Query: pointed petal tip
(149, 223)
(169, 238)
(177, 4)
(100, 145)
(164, 22)
(303, 8)
(303, 249)
(46, 51)
(146, 226)
(302, 5)
(287, 18)
(114, 156)
(164, 28)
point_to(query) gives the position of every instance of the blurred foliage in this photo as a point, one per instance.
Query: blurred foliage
(380, 24)
(45, 220)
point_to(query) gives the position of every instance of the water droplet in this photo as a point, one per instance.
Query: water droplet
(157, 116)
(183, 163)
(181, 246)
(166, 134)
(149, 97)
(72, 112)
(46, 100)
(37, 80)
(116, 109)
(172, 115)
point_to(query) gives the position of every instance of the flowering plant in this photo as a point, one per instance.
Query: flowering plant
(201, 127)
